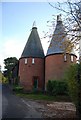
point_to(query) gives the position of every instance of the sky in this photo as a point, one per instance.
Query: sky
(16, 20)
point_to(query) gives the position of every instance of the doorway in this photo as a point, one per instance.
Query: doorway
(35, 83)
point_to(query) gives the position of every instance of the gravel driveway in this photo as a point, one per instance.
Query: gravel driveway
(53, 109)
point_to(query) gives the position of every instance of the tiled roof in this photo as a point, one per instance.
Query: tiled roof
(58, 38)
(33, 47)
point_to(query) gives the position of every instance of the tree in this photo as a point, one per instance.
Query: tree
(9, 64)
(72, 21)
(74, 86)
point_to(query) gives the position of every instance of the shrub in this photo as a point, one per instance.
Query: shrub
(49, 87)
(17, 88)
(70, 77)
(73, 78)
(57, 87)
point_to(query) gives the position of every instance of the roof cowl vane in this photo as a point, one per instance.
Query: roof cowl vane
(34, 24)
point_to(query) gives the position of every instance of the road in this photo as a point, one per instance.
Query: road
(0, 101)
(16, 107)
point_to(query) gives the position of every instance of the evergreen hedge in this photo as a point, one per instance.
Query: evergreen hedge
(57, 87)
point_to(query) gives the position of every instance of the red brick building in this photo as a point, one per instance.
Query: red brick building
(35, 69)
(58, 58)
(31, 63)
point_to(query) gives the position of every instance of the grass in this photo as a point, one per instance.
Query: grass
(17, 88)
(44, 97)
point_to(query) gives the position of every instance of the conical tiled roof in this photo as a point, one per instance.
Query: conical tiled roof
(58, 38)
(33, 47)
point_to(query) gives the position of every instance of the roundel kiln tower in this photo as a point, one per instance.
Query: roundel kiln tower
(31, 63)
(56, 61)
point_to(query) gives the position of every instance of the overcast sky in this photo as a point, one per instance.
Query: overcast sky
(17, 19)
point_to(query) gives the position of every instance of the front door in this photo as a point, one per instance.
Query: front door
(35, 83)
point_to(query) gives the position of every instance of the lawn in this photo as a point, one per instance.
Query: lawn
(41, 96)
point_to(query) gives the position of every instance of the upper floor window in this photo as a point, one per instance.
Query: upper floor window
(71, 58)
(33, 61)
(65, 57)
(26, 60)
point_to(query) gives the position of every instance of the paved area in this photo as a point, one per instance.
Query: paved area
(15, 107)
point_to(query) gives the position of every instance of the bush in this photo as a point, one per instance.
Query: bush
(72, 82)
(4, 80)
(49, 87)
(57, 87)
(73, 78)
(17, 88)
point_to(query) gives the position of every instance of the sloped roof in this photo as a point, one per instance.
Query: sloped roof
(59, 36)
(33, 47)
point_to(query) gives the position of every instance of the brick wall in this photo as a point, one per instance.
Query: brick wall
(55, 66)
(29, 70)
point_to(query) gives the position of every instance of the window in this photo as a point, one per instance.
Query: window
(71, 58)
(33, 60)
(65, 58)
(26, 61)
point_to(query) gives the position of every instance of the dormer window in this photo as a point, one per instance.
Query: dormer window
(65, 58)
(71, 58)
(33, 61)
(26, 60)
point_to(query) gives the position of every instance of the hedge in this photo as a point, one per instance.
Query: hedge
(57, 87)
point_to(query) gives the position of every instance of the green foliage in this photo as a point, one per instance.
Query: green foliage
(49, 87)
(57, 87)
(17, 88)
(4, 80)
(71, 77)
(0, 77)
(9, 64)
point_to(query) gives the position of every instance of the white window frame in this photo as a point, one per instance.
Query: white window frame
(72, 58)
(26, 60)
(33, 61)
(65, 57)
